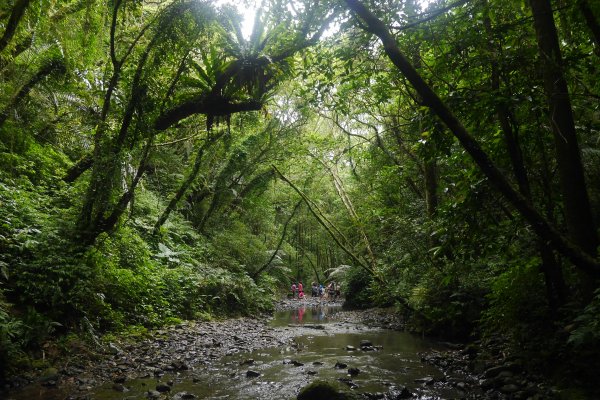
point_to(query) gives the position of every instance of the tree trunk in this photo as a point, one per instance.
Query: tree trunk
(555, 283)
(578, 214)
(46, 69)
(107, 224)
(281, 239)
(431, 186)
(185, 185)
(591, 22)
(331, 229)
(77, 169)
(541, 226)
(13, 21)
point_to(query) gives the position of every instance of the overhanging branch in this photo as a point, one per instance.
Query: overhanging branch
(203, 104)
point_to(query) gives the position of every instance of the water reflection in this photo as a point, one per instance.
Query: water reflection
(304, 314)
(298, 314)
(393, 360)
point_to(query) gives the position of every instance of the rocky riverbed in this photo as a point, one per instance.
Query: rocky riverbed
(193, 347)
(182, 347)
(496, 373)
(485, 369)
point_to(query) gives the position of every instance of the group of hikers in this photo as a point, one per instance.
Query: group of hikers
(331, 292)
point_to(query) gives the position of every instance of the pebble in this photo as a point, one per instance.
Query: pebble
(119, 387)
(153, 394)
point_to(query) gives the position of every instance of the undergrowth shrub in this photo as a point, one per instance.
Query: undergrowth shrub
(128, 278)
(518, 308)
(518, 312)
(586, 334)
(135, 285)
(236, 247)
(449, 301)
(11, 331)
(357, 288)
(234, 293)
(584, 343)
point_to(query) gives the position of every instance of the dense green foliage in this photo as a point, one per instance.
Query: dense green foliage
(158, 164)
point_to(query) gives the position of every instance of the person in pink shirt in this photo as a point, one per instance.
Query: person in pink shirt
(294, 290)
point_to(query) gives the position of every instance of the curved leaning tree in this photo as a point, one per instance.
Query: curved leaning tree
(185, 59)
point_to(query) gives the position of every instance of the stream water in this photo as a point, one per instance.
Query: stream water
(324, 340)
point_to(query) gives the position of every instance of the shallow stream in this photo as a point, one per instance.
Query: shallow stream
(325, 343)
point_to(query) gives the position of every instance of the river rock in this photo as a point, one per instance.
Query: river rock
(470, 351)
(495, 371)
(399, 393)
(353, 371)
(153, 394)
(366, 343)
(49, 375)
(249, 361)
(428, 380)
(374, 396)
(476, 366)
(491, 383)
(119, 387)
(505, 374)
(183, 396)
(163, 387)
(179, 365)
(348, 382)
(340, 365)
(509, 388)
(321, 390)
(350, 348)
(252, 374)
(114, 349)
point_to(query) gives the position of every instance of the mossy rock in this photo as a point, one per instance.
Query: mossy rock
(321, 390)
